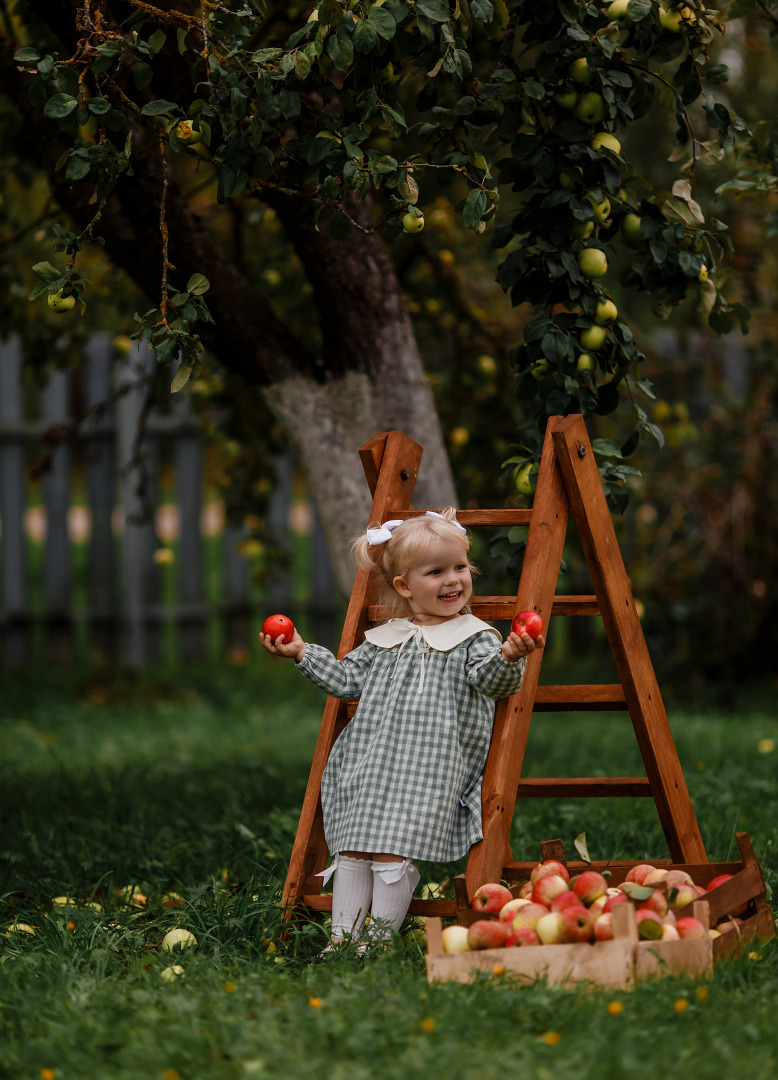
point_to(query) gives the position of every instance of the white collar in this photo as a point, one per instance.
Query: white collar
(442, 636)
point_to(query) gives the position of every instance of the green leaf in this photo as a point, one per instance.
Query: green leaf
(59, 106)
(382, 21)
(340, 50)
(77, 169)
(27, 56)
(157, 40)
(434, 10)
(197, 285)
(365, 37)
(606, 447)
(483, 10)
(158, 107)
(474, 208)
(98, 106)
(46, 272)
(181, 377)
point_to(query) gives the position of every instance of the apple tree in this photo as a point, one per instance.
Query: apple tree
(159, 125)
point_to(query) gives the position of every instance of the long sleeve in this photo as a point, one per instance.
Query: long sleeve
(341, 678)
(489, 672)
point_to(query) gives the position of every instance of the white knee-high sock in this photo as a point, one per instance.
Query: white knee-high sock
(352, 890)
(393, 885)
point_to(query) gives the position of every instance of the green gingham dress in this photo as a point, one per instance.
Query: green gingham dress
(404, 777)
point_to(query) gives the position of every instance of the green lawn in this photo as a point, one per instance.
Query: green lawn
(193, 784)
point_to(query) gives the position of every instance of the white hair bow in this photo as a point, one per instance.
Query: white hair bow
(383, 532)
(434, 513)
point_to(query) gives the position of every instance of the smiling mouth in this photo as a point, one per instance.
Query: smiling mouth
(448, 598)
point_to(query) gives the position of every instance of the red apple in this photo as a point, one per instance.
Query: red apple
(622, 898)
(491, 897)
(603, 927)
(597, 906)
(525, 892)
(576, 923)
(528, 622)
(278, 626)
(546, 888)
(528, 916)
(675, 879)
(655, 877)
(639, 873)
(728, 924)
(657, 902)
(689, 927)
(719, 881)
(565, 899)
(520, 937)
(548, 867)
(649, 925)
(679, 898)
(487, 934)
(589, 886)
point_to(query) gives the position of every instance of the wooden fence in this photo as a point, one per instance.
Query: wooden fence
(78, 574)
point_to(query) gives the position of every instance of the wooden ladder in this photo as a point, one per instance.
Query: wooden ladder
(568, 480)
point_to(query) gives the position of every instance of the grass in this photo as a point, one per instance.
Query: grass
(193, 784)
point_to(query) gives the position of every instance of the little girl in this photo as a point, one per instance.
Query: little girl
(403, 780)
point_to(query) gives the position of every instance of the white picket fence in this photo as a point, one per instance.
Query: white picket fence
(124, 608)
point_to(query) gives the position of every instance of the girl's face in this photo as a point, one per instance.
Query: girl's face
(439, 586)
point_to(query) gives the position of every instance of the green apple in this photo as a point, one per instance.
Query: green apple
(455, 939)
(601, 210)
(186, 132)
(567, 99)
(523, 479)
(618, 9)
(590, 108)
(580, 230)
(585, 363)
(703, 275)
(539, 369)
(593, 337)
(605, 139)
(670, 20)
(59, 303)
(413, 223)
(606, 311)
(579, 71)
(178, 938)
(170, 974)
(630, 228)
(568, 180)
(592, 262)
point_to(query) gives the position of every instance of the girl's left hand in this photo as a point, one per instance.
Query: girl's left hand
(517, 645)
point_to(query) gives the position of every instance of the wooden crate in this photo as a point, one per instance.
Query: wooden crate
(616, 964)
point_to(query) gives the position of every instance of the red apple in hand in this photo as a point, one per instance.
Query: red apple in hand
(278, 626)
(528, 622)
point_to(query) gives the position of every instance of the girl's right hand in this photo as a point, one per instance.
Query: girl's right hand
(294, 649)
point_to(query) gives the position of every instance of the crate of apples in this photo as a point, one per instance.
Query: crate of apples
(661, 925)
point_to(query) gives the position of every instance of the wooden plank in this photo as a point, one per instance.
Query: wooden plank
(98, 435)
(542, 560)
(57, 566)
(13, 568)
(585, 787)
(399, 466)
(625, 635)
(503, 608)
(692, 957)
(589, 697)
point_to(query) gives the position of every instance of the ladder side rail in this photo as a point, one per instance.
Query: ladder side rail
(625, 635)
(537, 586)
(391, 463)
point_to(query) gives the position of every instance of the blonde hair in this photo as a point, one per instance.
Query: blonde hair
(406, 548)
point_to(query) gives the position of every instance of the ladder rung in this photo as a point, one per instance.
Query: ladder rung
(474, 517)
(442, 907)
(503, 608)
(586, 698)
(592, 697)
(588, 787)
